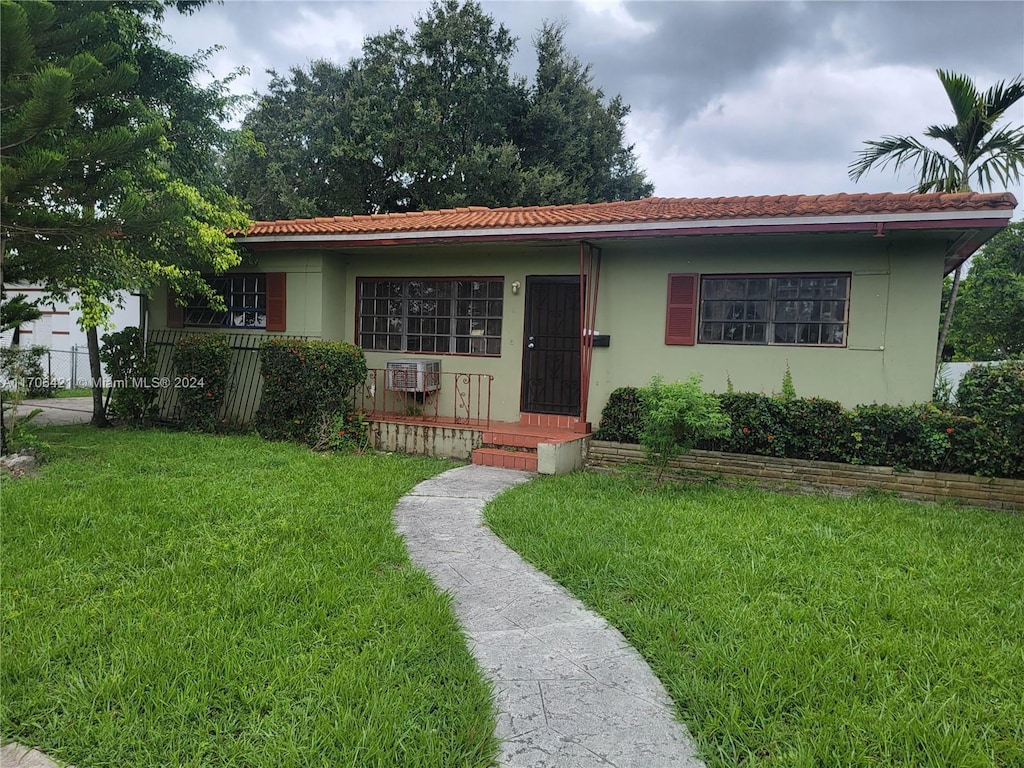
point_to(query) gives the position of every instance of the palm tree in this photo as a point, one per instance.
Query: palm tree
(979, 152)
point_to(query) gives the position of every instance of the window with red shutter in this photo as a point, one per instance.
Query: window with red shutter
(681, 315)
(255, 301)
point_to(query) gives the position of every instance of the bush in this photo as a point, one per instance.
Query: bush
(622, 419)
(994, 396)
(986, 438)
(757, 425)
(22, 367)
(817, 429)
(679, 416)
(306, 384)
(203, 364)
(904, 437)
(127, 361)
(347, 433)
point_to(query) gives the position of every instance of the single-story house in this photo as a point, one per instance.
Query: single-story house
(556, 306)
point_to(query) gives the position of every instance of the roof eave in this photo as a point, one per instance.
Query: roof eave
(968, 220)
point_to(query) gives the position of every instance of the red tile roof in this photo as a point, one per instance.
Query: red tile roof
(647, 211)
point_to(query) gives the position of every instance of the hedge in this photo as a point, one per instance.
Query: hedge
(307, 387)
(984, 436)
(202, 364)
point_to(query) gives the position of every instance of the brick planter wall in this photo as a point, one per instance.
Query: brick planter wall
(797, 474)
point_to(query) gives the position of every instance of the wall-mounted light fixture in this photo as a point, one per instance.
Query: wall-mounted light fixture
(516, 285)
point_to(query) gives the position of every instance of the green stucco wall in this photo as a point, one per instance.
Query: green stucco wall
(894, 305)
(511, 262)
(305, 299)
(894, 300)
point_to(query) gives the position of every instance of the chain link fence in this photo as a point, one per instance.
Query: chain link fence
(68, 369)
(58, 369)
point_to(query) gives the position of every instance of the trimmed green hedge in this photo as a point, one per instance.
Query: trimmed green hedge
(202, 362)
(127, 360)
(622, 420)
(984, 436)
(307, 386)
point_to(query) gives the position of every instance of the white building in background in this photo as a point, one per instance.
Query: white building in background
(58, 330)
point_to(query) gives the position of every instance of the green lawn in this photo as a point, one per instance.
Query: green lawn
(182, 600)
(797, 630)
(76, 392)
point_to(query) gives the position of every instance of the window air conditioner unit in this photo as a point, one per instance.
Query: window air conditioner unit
(413, 375)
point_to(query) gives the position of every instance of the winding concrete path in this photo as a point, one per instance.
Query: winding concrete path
(571, 692)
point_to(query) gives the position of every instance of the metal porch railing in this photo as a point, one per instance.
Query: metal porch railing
(454, 398)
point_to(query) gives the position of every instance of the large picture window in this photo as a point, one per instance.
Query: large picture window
(775, 309)
(451, 316)
(245, 297)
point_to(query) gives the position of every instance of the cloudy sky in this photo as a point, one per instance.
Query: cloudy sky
(728, 98)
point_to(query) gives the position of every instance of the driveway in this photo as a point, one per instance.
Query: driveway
(59, 410)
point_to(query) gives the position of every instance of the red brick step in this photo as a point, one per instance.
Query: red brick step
(499, 457)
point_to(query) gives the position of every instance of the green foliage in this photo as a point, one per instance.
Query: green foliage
(622, 418)
(977, 149)
(994, 396)
(202, 362)
(788, 390)
(17, 310)
(985, 438)
(127, 362)
(990, 304)
(344, 432)
(22, 367)
(758, 425)
(433, 117)
(20, 431)
(679, 415)
(110, 156)
(306, 384)
(904, 437)
(813, 428)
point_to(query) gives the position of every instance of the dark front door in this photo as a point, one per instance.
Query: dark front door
(551, 358)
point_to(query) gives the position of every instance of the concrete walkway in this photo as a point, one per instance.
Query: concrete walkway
(571, 692)
(14, 755)
(58, 410)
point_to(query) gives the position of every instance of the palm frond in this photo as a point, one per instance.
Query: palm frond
(1001, 96)
(962, 93)
(954, 135)
(1005, 158)
(935, 169)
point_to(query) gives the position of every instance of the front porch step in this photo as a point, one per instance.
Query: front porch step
(552, 421)
(500, 457)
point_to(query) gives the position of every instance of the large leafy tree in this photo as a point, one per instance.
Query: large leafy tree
(970, 151)
(573, 134)
(988, 323)
(434, 118)
(109, 158)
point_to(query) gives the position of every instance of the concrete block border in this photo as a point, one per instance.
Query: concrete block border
(824, 476)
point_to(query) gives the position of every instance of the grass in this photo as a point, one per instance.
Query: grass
(796, 630)
(174, 599)
(76, 392)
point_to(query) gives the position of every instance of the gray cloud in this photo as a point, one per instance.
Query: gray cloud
(727, 97)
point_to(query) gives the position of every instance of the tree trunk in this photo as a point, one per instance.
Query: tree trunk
(99, 412)
(946, 321)
(3, 423)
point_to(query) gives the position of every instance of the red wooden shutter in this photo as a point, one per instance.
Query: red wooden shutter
(681, 316)
(276, 304)
(175, 312)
